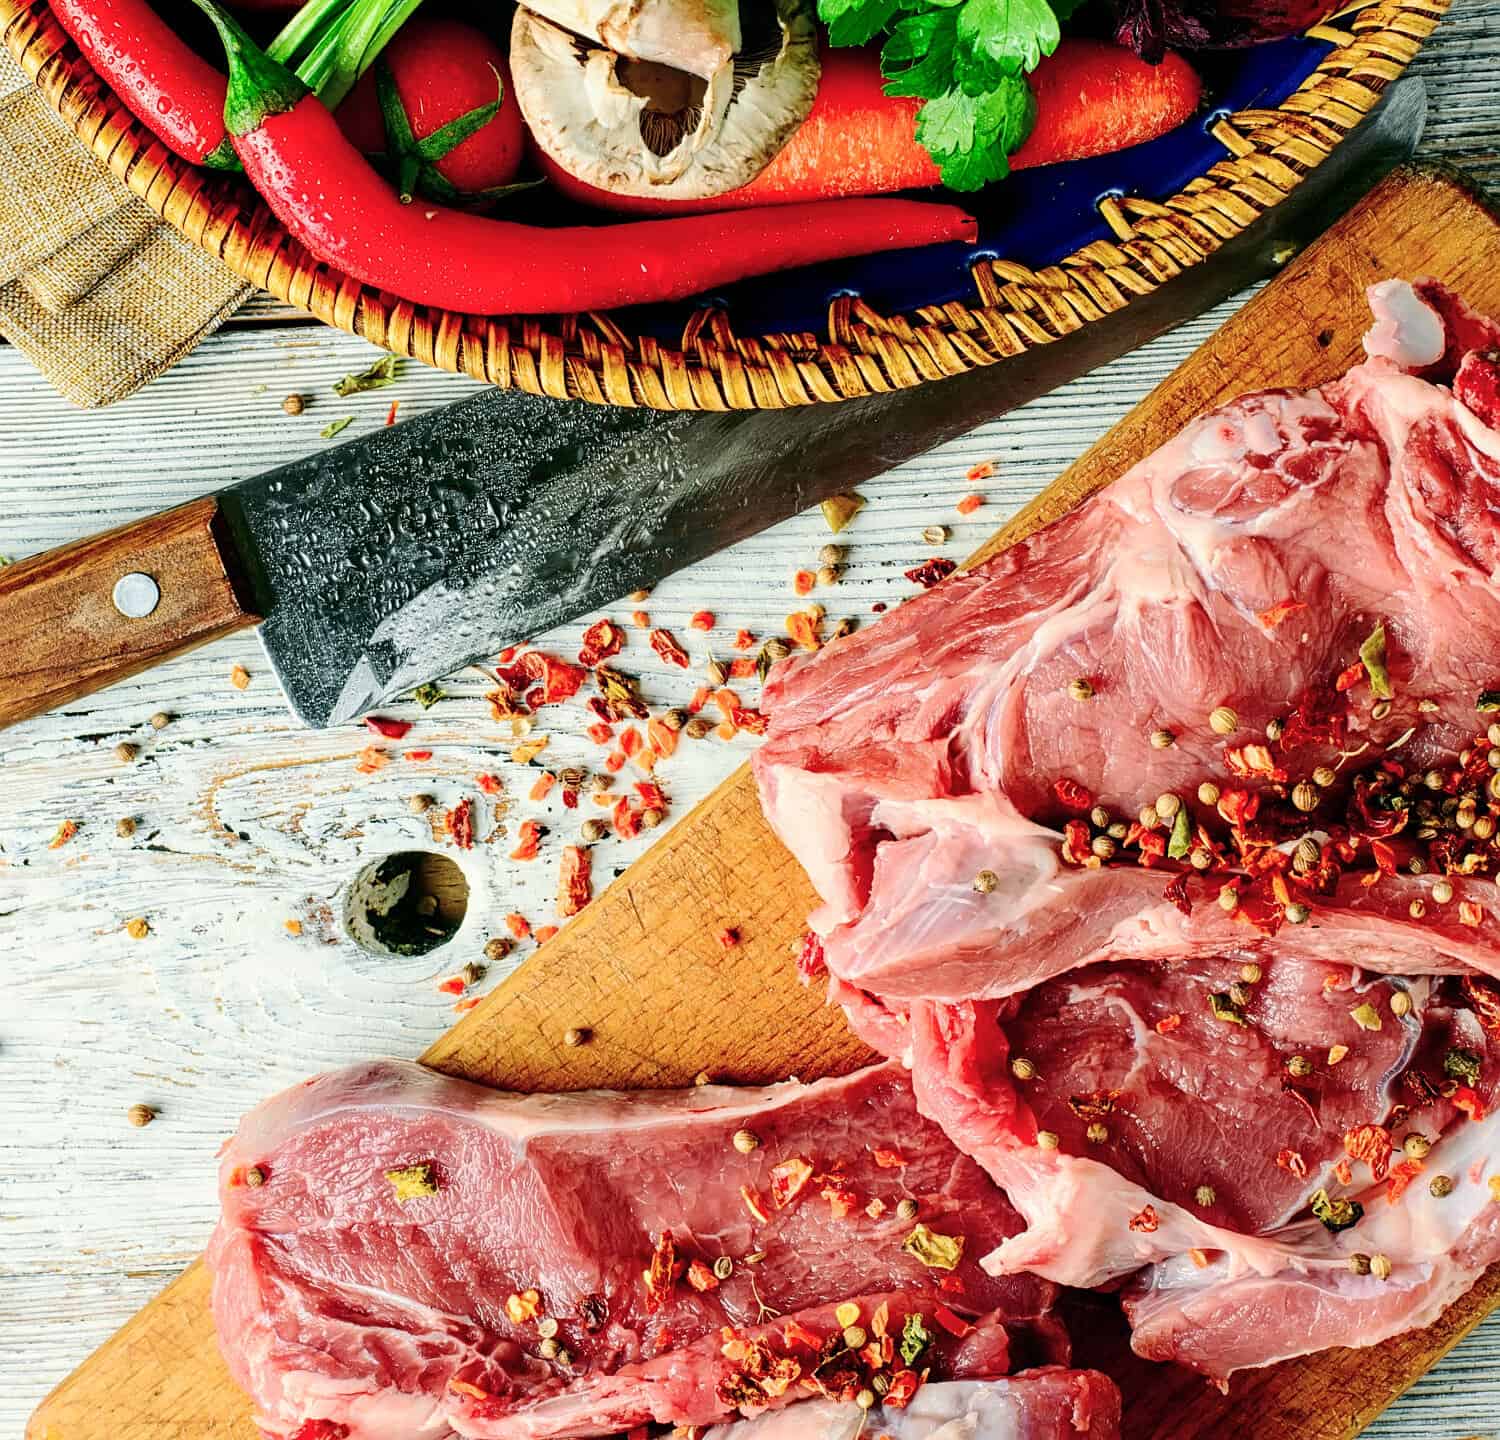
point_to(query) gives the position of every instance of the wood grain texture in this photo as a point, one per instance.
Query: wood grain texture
(64, 636)
(642, 968)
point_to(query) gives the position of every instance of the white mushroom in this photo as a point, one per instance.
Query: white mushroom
(698, 36)
(636, 127)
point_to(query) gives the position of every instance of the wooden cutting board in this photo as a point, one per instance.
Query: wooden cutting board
(642, 970)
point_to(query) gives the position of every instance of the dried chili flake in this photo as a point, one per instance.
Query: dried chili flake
(1252, 761)
(490, 784)
(888, 1159)
(544, 934)
(543, 787)
(464, 1006)
(1343, 1172)
(1275, 614)
(703, 620)
(1145, 1219)
(788, 1180)
(904, 1385)
(518, 925)
(391, 729)
(1073, 795)
(744, 640)
(1483, 995)
(528, 841)
(1465, 1098)
(662, 1272)
(371, 759)
(728, 938)
(65, 832)
(1349, 678)
(1238, 807)
(1471, 913)
(701, 1277)
(753, 1203)
(810, 958)
(627, 821)
(1176, 893)
(600, 733)
(1168, 1023)
(459, 823)
(619, 694)
(454, 985)
(601, 640)
(752, 722)
(700, 699)
(1372, 1144)
(841, 1203)
(802, 629)
(1291, 1160)
(615, 761)
(1095, 1105)
(969, 504)
(630, 740)
(930, 572)
(575, 886)
(663, 738)
(333, 1430)
(803, 582)
(1152, 845)
(416, 755)
(743, 668)
(666, 646)
(1402, 1174)
(954, 1324)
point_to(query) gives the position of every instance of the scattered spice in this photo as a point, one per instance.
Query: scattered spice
(907, 1210)
(1372, 657)
(412, 1182)
(160, 720)
(138, 928)
(1462, 1064)
(294, 404)
(1145, 1220)
(375, 377)
(459, 824)
(140, 1115)
(839, 510)
(1380, 1267)
(1335, 1214)
(937, 1252)
(575, 886)
(1223, 721)
(969, 504)
(1366, 1016)
(239, 677)
(125, 827)
(1162, 739)
(333, 427)
(1440, 1186)
(577, 1035)
(746, 1141)
(1205, 1196)
(931, 572)
(1022, 1068)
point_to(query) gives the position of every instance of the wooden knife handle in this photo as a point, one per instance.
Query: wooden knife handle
(62, 634)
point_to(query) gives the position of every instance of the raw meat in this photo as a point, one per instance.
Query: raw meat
(1046, 1404)
(371, 1274)
(1231, 713)
(1241, 568)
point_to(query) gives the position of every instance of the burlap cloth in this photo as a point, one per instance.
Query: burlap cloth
(97, 292)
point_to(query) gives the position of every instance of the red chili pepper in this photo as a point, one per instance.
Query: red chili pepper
(953, 1324)
(452, 986)
(166, 85)
(600, 641)
(528, 840)
(518, 925)
(970, 503)
(1351, 677)
(1073, 795)
(703, 620)
(391, 729)
(390, 415)
(328, 196)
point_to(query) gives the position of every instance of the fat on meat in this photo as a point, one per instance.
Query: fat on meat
(1046, 1404)
(1288, 622)
(1241, 568)
(351, 1310)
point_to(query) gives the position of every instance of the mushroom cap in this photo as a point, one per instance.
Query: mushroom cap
(698, 36)
(635, 127)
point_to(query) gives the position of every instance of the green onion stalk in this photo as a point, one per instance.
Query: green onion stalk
(331, 43)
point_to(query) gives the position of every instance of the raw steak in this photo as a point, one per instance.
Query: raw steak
(1230, 579)
(1231, 713)
(1046, 1404)
(383, 1224)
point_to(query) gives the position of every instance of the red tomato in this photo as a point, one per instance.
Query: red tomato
(442, 69)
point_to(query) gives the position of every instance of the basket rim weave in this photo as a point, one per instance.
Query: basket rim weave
(593, 357)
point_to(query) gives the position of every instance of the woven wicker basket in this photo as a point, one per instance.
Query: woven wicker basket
(592, 357)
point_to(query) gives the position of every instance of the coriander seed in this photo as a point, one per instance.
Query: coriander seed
(1416, 1146)
(592, 831)
(1022, 1068)
(255, 1177)
(723, 1268)
(1299, 1066)
(125, 752)
(985, 882)
(160, 720)
(1162, 739)
(1380, 1267)
(1440, 1186)
(1047, 1140)
(1324, 776)
(1359, 1263)
(140, 1115)
(1208, 793)
(576, 1036)
(125, 827)
(1222, 720)
(745, 1141)
(697, 727)
(1442, 891)
(497, 948)
(547, 1327)
(1297, 913)
(419, 804)
(1080, 689)
(1097, 1133)
(907, 1210)
(294, 404)
(1304, 796)
(1205, 1195)
(831, 554)
(1168, 805)
(935, 534)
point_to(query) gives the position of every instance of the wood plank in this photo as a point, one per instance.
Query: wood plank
(643, 971)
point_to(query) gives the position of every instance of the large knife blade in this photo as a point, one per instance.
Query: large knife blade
(409, 553)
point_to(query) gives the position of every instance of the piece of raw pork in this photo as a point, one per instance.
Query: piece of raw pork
(1162, 848)
(401, 1253)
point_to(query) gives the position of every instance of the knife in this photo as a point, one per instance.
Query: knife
(409, 553)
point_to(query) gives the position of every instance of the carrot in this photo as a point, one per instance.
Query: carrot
(1092, 97)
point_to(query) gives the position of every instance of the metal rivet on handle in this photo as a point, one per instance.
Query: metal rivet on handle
(136, 595)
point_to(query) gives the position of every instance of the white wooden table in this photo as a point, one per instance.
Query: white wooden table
(245, 821)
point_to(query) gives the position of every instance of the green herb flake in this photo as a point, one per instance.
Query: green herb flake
(1181, 840)
(1225, 1009)
(937, 1252)
(839, 510)
(915, 1338)
(1372, 657)
(1488, 702)
(428, 695)
(377, 377)
(1336, 1214)
(333, 427)
(412, 1182)
(1461, 1064)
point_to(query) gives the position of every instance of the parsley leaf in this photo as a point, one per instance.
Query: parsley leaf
(967, 60)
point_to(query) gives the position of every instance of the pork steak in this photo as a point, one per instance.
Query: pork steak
(404, 1253)
(1162, 849)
